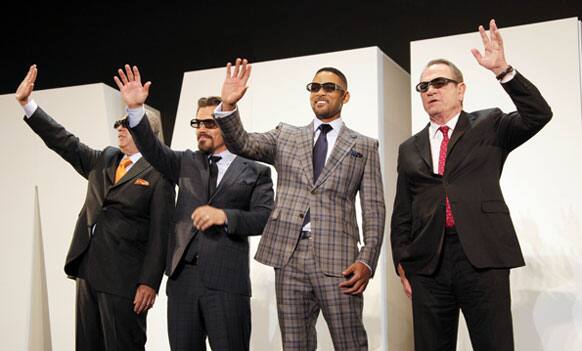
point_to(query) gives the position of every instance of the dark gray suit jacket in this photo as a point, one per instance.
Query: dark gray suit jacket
(131, 217)
(245, 193)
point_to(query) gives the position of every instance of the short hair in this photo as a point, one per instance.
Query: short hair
(457, 74)
(335, 71)
(208, 101)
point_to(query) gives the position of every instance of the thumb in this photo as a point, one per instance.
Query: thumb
(146, 87)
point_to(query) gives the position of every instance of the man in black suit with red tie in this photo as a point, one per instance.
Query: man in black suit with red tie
(453, 241)
(118, 251)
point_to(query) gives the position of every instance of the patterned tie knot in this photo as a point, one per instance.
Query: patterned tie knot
(125, 162)
(325, 128)
(444, 130)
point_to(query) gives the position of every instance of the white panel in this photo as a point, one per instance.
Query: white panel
(277, 94)
(541, 178)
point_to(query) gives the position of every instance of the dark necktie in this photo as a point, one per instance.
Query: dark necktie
(319, 154)
(213, 170)
(449, 219)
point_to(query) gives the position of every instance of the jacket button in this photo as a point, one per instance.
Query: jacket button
(301, 215)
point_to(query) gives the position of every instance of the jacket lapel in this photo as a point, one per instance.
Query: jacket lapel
(133, 172)
(305, 151)
(422, 142)
(343, 144)
(232, 173)
(462, 125)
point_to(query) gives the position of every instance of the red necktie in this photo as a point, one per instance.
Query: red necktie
(449, 221)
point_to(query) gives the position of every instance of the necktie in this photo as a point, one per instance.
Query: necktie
(319, 154)
(121, 169)
(449, 219)
(213, 170)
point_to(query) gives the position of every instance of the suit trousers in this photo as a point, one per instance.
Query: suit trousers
(481, 294)
(107, 322)
(196, 312)
(302, 290)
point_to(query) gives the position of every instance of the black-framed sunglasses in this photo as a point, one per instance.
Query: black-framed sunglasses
(327, 87)
(437, 83)
(207, 123)
(121, 122)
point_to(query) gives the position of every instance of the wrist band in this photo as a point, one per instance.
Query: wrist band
(501, 75)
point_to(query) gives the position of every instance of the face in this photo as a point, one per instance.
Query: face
(328, 106)
(209, 139)
(442, 103)
(125, 141)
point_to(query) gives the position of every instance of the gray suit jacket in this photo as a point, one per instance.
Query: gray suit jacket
(245, 193)
(352, 167)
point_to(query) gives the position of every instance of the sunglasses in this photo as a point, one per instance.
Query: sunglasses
(437, 83)
(121, 122)
(327, 87)
(207, 123)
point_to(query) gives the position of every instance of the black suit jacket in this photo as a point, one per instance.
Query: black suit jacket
(477, 151)
(129, 243)
(245, 193)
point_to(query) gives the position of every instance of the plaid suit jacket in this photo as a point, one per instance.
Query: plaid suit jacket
(352, 167)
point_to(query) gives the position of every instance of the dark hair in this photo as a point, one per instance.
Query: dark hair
(335, 71)
(457, 74)
(208, 101)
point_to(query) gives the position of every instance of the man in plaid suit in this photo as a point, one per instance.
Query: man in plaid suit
(311, 238)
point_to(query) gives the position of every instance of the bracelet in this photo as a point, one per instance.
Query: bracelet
(502, 75)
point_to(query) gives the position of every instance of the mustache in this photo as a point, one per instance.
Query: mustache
(201, 134)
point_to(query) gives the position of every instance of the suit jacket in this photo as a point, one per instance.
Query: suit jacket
(245, 193)
(130, 218)
(479, 146)
(352, 167)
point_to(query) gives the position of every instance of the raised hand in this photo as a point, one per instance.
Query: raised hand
(26, 86)
(132, 91)
(494, 56)
(235, 83)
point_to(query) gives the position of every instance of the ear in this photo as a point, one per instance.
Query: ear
(346, 97)
(461, 87)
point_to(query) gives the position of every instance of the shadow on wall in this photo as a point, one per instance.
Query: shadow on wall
(546, 293)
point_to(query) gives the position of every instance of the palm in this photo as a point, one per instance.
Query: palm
(493, 57)
(235, 83)
(26, 86)
(133, 93)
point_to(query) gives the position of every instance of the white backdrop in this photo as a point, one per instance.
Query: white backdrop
(541, 180)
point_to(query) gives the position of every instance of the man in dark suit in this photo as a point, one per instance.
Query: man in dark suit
(119, 246)
(312, 236)
(452, 237)
(223, 199)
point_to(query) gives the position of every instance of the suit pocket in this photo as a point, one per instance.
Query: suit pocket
(494, 206)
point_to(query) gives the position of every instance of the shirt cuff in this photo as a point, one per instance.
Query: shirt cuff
(367, 265)
(509, 76)
(218, 113)
(30, 108)
(134, 115)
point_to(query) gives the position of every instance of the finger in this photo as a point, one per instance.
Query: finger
(122, 76)
(237, 68)
(136, 74)
(477, 55)
(350, 282)
(361, 288)
(495, 32)
(244, 68)
(246, 76)
(147, 87)
(354, 288)
(228, 70)
(118, 82)
(33, 72)
(484, 36)
(129, 73)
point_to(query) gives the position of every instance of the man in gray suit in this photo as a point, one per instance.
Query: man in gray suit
(312, 236)
(223, 199)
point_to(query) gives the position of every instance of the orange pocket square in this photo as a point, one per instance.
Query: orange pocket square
(143, 182)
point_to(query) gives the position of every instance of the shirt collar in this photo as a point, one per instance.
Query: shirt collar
(226, 156)
(134, 158)
(434, 127)
(336, 124)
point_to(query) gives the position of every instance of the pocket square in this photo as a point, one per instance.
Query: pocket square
(143, 182)
(356, 154)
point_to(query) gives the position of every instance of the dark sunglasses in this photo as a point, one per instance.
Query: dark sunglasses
(121, 122)
(327, 87)
(437, 83)
(207, 123)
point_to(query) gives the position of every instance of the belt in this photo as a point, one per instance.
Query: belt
(305, 234)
